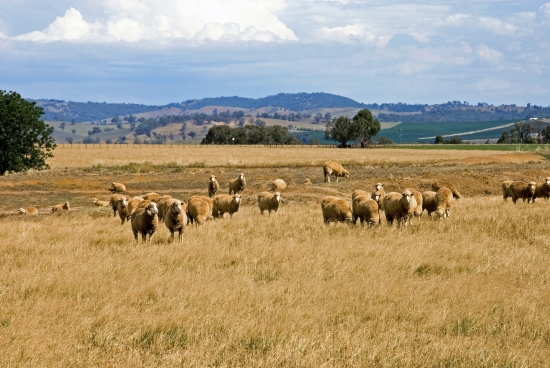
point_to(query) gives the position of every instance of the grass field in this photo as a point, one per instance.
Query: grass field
(285, 290)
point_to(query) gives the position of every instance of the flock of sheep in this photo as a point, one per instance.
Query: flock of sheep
(146, 211)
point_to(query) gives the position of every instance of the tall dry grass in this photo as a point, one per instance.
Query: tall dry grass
(288, 291)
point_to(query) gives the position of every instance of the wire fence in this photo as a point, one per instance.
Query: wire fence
(190, 145)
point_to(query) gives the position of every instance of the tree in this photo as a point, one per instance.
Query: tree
(438, 139)
(115, 119)
(341, 130)
(192, 134)
(62, 126)
(384, 140)
(69, 139)
(365, 126)
(73, 131)
(521, 131)
(25, 140)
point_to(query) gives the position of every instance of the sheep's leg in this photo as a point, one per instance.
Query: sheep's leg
(180, 235)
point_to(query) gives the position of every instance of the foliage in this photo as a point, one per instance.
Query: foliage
(249, 134)
(341, 130)
(25, 140)
(384, 140)
(366, 126)
(520, 133)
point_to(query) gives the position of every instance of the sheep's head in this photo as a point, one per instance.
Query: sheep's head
(237, 198)
(531, 187)
(241, 176)
(277, 196)
(22, 211)
(95, 200)
(407, 195)
(123, 201)
(66, 205)
(376, 196)
(379, 186)
(152, 209)
(212, 178)
(547, 181)
(441, 213)
(346, 173)
(176, 206)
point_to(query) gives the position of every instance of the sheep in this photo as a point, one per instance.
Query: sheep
(428, 202)
(114, 202)
(225, 203)
(154, 197)
(523, 190)
(236, 186)
(175, 217)
(117, 187)
(99, 203)
(506, 192)
(443, 199)
(542, 189)
(199, 210)
(213, 186)
(336, 209)
(145, 221)
(278, 185)
(28, 211)
(418, 197)
(334, 168)
(162, 206)
(122, 208)
(365, 209)
(399, 206)
(61, 207)
(132, 206)
(379, 186)
(359, 192)
(307, 181)
(438, 184)
(269, 202)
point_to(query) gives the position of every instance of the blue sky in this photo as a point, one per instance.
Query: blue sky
(161, 51)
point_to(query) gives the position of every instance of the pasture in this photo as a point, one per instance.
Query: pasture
(285, 290)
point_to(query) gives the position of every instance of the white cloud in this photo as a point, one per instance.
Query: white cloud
(489, 55)
(491, 84)
(158, 20)
(498, 27)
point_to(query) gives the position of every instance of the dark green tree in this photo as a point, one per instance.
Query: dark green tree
(365, 126)
(25, 140)
(438, 139)
(384, 140)
(521, 131)
(62, 126)
(545, 134)
(341, 130)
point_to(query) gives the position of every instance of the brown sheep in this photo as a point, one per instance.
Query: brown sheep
(307, 181)
(114, 202)
(418, 197)
(359, 192)
(132, 206)
(365, 209)
(523, 190)
(161, 204)
(226, 203)
(145, 221)
(336, 209)
(28, 211)
(61, 207)
(213, 186)
(443, 200)
(428, 202)
(99, 203)
(269, 202)
(199, 210)
(278, 185)
(117, 187)
(506, 192)
(122, 208)
(175, 217)
(438, 184)
(334, 168)
(154, 197)
(542, 189)
(399, 207)
(236, 186)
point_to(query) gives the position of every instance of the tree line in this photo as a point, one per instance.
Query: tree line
(249, 134)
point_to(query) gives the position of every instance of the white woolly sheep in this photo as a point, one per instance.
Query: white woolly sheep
(443, 200)
(365, 209)
(418, 197)
(399, 207)
(61, 207)
(336, 209)
(438, 184)
(117, 187)
(213, 186)
(114, 202)
(175, 217)
(122, 208)
(145, 221)
(523, 190)
(334, 168)
(542, 189)
(99, 203)
(428, 202)
(28, 211)
(225, 203)
(506, 192)
(199, 210)
(268, 201)
(236, 186)
(278, 185)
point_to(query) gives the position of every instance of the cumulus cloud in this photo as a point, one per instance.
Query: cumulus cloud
(489, 55)
(498, 26)
(193, 20)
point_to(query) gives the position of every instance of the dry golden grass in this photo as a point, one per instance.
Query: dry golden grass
(258, 156)
(282, 291)
(288, 291)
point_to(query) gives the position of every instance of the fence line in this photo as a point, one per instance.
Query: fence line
(176, 145)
